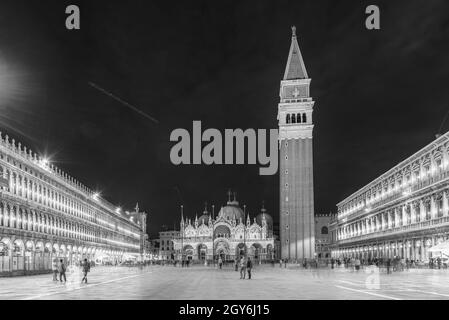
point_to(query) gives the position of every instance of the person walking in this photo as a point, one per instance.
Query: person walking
(236, 265)
(86, 269)
(54, 267)
(388, 265)
(249, 267)
(242, 268)
(332, 263)
(357, 264)
(62, 269)
(280, 263)
(220, 262)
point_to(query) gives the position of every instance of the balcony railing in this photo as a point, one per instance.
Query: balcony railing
(422, 183)
(423, 225)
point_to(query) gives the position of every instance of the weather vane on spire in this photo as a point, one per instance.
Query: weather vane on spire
(293, 31)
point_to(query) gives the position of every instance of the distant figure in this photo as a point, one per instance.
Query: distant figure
(62, 269)
(285, 263)
(242, 268)
(357, 264)
(86, 269)
(388, 265)
(236, 265)
(280, 263)
(220, 262)
(332, 263)
(249, 266)
(54, 267)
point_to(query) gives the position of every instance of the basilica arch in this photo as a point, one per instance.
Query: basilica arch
(256, 251)
(240, 249)
(202, 251)
(222, 231)
(189, 252)
(222, 248)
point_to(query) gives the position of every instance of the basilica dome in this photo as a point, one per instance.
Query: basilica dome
(268, 218)
(231, 211)
(203, 219)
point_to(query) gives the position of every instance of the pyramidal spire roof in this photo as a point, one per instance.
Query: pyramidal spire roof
(295, 68)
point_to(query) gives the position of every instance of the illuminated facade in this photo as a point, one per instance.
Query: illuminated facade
(44, 213)
(227, 236)
(322, 238)
(401, 213)
(166, 244)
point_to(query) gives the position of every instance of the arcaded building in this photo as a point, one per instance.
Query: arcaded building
(47, 214)
(403, 212)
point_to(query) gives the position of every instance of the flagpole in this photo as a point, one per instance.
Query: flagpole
(244, 229)
(213, 234)
(182, 234)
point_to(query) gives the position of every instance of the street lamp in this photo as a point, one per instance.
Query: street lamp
(244, 230)
(213, 234)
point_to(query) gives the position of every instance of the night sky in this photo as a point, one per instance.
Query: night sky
(380, 95)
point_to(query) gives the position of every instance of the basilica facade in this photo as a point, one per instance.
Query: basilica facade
(230, 235)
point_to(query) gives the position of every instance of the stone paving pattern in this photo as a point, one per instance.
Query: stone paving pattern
(203, 283)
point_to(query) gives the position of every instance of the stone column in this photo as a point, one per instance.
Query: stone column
(445, 204)
(433, 207)
(422, 210)
(412, 213)
(404, 215)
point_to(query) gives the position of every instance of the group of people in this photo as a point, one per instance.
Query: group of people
(246, 266)
(390, 264)
(60, 268)
(311, 263)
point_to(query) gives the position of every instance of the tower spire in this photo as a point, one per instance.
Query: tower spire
(295, 68)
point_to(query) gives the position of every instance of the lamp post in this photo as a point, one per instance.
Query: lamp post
(213, 234)
(244, 230)
(182, 234)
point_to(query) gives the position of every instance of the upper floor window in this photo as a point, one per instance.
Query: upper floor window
(324, 230)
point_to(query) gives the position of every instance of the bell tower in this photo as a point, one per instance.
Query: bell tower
(295, 109)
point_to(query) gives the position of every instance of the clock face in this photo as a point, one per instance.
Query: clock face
(296, 91)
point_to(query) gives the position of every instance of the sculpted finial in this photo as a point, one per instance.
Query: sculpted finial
(293, 31)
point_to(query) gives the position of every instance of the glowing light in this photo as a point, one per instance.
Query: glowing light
(96, 196)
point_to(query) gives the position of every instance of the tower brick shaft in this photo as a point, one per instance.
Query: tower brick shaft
(296, 159)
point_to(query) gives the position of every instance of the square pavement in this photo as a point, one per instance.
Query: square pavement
(205, 283)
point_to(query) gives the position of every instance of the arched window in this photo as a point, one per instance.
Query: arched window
(293, 118)
(288, 118)
(304, 118)
(324, 230)
(298, 118)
